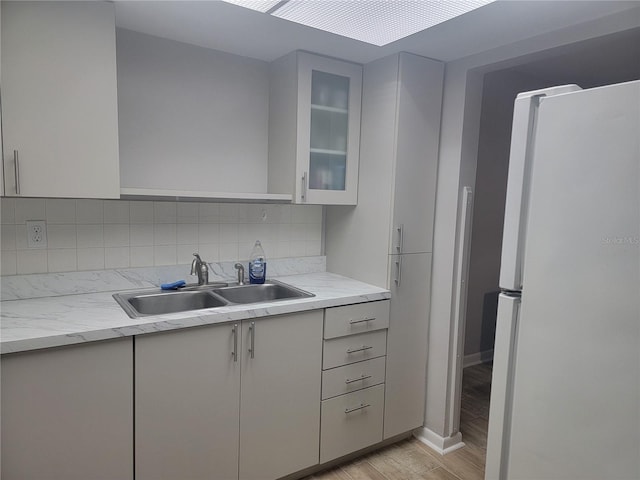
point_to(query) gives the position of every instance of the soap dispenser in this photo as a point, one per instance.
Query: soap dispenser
(257, 264)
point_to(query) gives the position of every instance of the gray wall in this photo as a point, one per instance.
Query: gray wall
(499, 92)
(457, 168)
(191, 118)
(601, 61)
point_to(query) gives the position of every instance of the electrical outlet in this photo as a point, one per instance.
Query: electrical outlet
(36, 234)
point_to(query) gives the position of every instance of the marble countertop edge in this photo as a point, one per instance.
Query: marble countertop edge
(96, 317)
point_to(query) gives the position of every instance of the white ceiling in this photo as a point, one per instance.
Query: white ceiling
(234, 29)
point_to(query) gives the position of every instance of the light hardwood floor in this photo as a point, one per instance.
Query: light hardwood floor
(412, 460)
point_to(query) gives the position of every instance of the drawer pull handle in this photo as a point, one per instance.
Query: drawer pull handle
(234, 354)
(362, 406)
(252, 348)
(352, 322)
(16, 172)
(362, 377)
(361, 349)
(303, 192)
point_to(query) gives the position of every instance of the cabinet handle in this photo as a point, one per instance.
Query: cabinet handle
(252, 330)
(16, 164)
(355, 409)
(234, 354)
(399, 271)
(361, 349)
(352, 322)
(303, 193)
(400, 246)
(362, 377)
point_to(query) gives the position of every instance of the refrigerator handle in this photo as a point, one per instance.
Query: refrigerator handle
(516, 208)
(504, 358)
(520, 164)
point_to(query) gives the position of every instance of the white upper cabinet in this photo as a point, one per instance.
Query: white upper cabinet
(59, 101)
(417, 133)
(314, 129)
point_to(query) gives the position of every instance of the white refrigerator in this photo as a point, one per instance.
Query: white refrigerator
(565, 399)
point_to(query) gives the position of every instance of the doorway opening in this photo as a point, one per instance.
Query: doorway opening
(601, 61)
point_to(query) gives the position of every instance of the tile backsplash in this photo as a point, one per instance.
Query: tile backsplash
(106, 234)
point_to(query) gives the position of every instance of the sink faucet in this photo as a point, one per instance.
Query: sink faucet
(200, 268)
(240, 268)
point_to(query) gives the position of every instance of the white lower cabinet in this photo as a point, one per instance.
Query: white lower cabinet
(354, 348)
(407, 345)
(359, 318)
(341, 380)
(233, 401)
(187, 409)
(353, 378)
(280, 395)
(351, 422)
(213, 405)
(67, 412)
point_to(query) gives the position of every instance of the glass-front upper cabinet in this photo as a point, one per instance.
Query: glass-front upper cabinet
(314, 129)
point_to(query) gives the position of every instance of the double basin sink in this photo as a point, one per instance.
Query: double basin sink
(140, 304)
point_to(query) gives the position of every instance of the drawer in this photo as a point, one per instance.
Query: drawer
(350, 319)
(351, 422)
(350, 378)
(354, 348)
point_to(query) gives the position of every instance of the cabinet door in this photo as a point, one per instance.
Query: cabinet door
(186, 405)
(280, 401)
(59, 104)
(329, 102)
(417, 140)
(407, 343)
(67, 413)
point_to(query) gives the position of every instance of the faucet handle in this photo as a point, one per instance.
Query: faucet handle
(196, 265)
(240, 268)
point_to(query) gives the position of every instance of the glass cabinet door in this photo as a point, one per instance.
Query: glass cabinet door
(314, 129)
(329, 131)
(328, 125)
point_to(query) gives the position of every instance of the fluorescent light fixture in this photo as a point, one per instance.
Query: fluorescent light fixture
(378, 22)
(260, 5)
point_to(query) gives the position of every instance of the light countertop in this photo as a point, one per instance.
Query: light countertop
(29, 324)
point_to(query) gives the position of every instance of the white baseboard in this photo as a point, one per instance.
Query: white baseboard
(477, 358)
(442, 445)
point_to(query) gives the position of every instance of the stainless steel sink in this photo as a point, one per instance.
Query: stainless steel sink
(267, 292)
(140, 304)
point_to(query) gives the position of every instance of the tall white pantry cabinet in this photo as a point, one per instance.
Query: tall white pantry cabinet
(386, 239)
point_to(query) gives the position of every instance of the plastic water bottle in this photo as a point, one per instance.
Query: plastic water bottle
(257, 264)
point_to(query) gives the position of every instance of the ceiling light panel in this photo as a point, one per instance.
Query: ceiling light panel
(374, 21)
(259, 5)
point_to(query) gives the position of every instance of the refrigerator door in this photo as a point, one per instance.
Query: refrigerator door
(575, 412)
(501, 383)
(520, 160)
